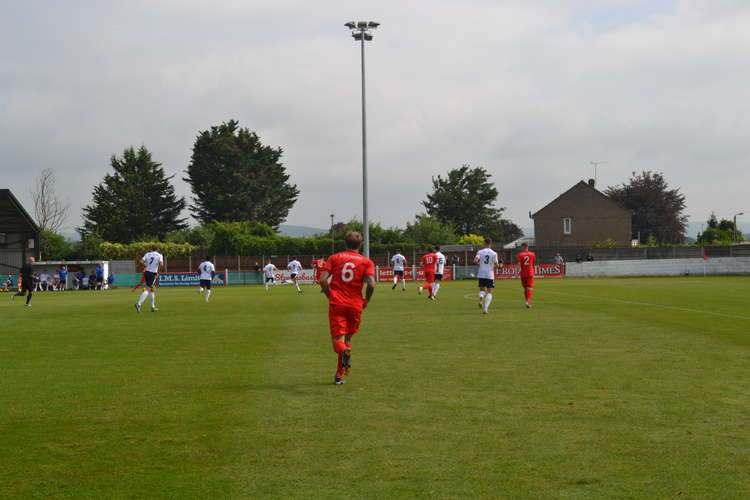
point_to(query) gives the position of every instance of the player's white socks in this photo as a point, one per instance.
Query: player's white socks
(481, 295)
(200, 290)
(487, 300)
(435, 289)
(395, 280)
(208, 294)
(403, 283)
(143, 296)
(153, 299)
(297, 285)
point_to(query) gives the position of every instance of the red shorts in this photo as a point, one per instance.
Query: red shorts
(429, 277)
(527, 281)
(343, 320)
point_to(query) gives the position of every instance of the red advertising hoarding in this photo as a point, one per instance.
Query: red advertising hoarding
(540, 270)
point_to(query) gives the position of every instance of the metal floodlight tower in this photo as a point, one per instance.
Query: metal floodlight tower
(362, 32)
(735, 227)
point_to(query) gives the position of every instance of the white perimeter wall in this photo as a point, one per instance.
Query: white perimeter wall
(658, 267)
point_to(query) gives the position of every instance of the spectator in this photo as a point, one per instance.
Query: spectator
(8, 283)
(456, 260)
(111, 280)
(99, 277)
(557, 259)
(78, 279)
(589, 257)
(92, 281)
(62, 273)
(37, 282)
(256, 267)
(578, 258)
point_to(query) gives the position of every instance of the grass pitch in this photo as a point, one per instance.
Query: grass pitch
(626, 388)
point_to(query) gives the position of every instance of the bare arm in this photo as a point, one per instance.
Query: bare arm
(324, 283)
(370, 282)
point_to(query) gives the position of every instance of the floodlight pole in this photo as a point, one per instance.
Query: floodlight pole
(361, 31)
(332, 240)
(735, 226)
(365, 220)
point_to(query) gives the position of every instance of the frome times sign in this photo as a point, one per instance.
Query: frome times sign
(188, 279)
(386, 274)
(541, 271)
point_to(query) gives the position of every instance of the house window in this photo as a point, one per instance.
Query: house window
(567, 225)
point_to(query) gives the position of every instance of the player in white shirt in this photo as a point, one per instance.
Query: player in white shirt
(153, 261)
(439, 268)
(206, 271)
(294, 266)
(269, 272)
(488, 262)
(398, 262)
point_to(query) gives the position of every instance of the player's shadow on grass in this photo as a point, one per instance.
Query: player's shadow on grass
(300, 388)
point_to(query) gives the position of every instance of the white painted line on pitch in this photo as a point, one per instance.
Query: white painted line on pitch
(632, 302)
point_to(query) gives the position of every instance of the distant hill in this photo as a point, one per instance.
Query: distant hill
(300, 231)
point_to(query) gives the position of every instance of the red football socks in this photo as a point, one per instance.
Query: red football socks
(339, 346)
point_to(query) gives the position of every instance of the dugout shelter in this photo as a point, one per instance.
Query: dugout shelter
(19, 234)
(87, 266)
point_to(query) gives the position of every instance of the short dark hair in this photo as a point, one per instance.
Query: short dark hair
(208, 258)
(524, 245)
(488, 240)
(437, 248)
(353, 240)
(398, 250)
(154, 248)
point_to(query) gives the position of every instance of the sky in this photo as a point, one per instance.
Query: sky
(531, 90)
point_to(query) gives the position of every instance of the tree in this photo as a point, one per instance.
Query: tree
(235, 178)
(54, 246)
(657, 210)
(50, 210)
(134, 202)
(503, 231)
(428, 230)
(718, 232)
(465, 198)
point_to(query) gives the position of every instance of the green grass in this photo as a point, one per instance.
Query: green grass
(626, 388)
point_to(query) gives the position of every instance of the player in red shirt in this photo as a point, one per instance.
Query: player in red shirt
(526, 259)
(318, 266)
(348, 271)
(429, 261)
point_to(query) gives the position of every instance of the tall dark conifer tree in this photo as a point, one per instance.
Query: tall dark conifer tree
(235, 177)
(136, 200)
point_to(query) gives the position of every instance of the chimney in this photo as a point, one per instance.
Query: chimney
(592, 183)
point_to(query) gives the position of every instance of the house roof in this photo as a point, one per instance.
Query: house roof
(586, 186)
(13, 217)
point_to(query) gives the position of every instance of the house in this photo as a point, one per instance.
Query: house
(19, 234)
(582, 216)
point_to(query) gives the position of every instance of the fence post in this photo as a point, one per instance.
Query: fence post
(454, 272)
(377, 274)
(226, 275)
(166, 268)
(190, 261)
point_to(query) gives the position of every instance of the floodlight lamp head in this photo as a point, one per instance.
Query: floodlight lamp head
(351, 25)
(368, 37)
(361, 24)
(357, 36)
(373, 24)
